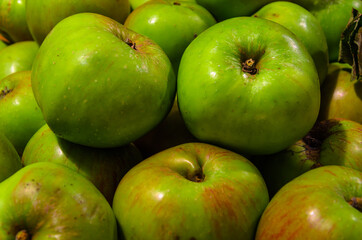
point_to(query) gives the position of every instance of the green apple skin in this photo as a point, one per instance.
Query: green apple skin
(340, 95)
(20, 115)
(103, 167)
(136, 3)
(43, 15)
(173, 25)
(2, 45)
(51, 201)
(315, 206)
(17, 57)
(252, 114)
(13, 20)
(9, 158)
(333, 17)
(95, 89)
(330, 142)
(191, 191)
(305, 26)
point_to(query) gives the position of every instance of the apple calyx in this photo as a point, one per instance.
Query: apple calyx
(4, 92)
(249, 66)
(131, 43)
(176, 3)
(198, 177)
(22, 235)
(356, 202)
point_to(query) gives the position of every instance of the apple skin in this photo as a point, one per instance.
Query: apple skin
(20, 115)
(43, 15)
(305, 26)
(2, 45)
(17, 57)
(136, 3)
(9, 158)
(51, 201)
(171, 24)
(95, 89)
(13, 20)
(103, 167)
(215, 194)
(341, 97)
(315, 206)
(252, 114)
(330, 142)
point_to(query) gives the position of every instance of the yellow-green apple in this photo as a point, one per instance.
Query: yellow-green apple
(43, 15)
(20, 115)
(323, 203)
(248, 84)
(100, 84)
(171, 24)
(49, 201)
(9, 158)
(191, 191)
(103, 167)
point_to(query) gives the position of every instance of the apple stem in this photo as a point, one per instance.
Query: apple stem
(4, 92)
(356, 202)
(131, 44)
(22, 235)
(249, 66)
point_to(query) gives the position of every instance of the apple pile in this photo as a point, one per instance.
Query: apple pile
(180, 119)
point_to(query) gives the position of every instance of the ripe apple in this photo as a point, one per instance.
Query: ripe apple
(330, 142)
(248, 84)
(340, 95)
(103, 167)
(100, 84)
(171, 24)
(305, 26)
(13, 20)
(49, 201)
(2, 44)
(324, 203)
(17, 57)
(43, 15)
(20, 116)
(9, 158)
(191, 191)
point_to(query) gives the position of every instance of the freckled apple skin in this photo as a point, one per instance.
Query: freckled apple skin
(226, 204)
(314, 206)
(9, 158)
(250, 114)
(51, 201)
(96, 90)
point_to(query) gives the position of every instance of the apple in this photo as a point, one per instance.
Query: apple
(100, 84)
(17, 57)
(305, 26)
(13, 20)
(249, 85)
(43, 15)
(103, 167)
(191, 191)
(136, 3)
(330, 142)
(324, 203)
(341, 95)
(9, 158)
(49, 201)
(2, 44)
(171, 24)
(20, 116)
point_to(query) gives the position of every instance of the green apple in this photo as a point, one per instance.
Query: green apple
(340, 95)
(43, 15)
(249, 85)
(136, 3)
(171, 24)
(305, 26)
(324, 203)
(100, 84)
(2, 45)
(191, 191)
(17, 57)
(330, 142)
(20, 115)
(103, 167)
(13, 20)
(9, 158)
(49, 201)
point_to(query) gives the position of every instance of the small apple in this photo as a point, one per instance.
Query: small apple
(9, 159)
(43, 15)
(49, 201)
(20, 115)
(100, 84)
(191, 191)
(249, 85)
(324, 203)
(103, 167)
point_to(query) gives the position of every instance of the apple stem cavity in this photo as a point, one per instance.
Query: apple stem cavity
(131, 44)
(4, 92)
(22, 235)
(198, 177)
(249, 66)
(356, 202)
(176, 3)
